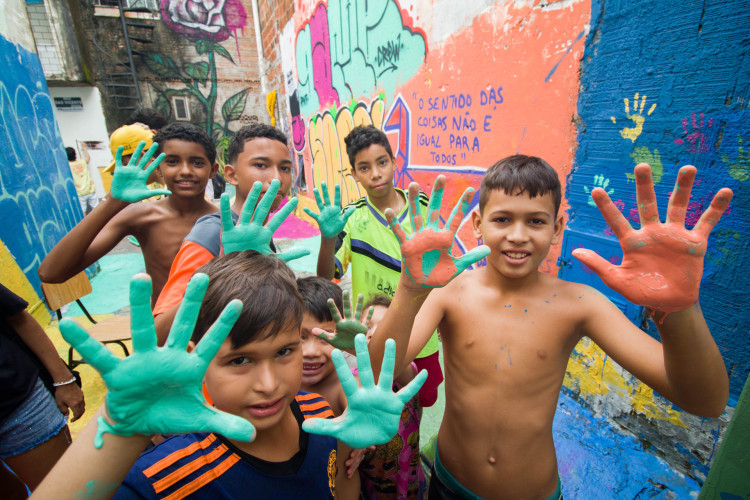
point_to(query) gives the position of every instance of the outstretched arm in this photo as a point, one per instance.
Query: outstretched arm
(661, 269)
(108, 223)
(331, 221)
(426, 263)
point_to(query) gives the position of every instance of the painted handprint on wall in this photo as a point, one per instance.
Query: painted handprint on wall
(695, 141)
(636, 117)
(739, 168)
(642, 154)
(599, 182)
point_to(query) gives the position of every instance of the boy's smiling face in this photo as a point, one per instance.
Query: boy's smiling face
(317, 364)
(263, 160)
(186, 169)
(373, 168)
(519, 231)
(259, 380)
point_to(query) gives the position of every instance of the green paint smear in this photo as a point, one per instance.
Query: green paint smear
(430, 261)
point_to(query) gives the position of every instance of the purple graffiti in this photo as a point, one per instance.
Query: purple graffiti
(204, 19)
(321, 57)
(695, 141)
(399, 120)
(298, 123)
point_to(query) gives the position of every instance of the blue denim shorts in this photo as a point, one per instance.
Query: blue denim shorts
(36, 421)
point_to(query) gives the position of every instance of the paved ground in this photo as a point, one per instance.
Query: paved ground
(596, 460)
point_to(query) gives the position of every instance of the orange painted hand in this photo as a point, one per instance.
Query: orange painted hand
(426, 255)
(662, 263)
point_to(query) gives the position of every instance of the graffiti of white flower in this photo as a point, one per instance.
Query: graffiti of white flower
(204, 15)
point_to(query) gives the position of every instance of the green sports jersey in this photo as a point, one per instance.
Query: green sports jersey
(370, 247)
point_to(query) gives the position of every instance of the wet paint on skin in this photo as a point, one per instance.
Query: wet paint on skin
(331, 220)
(129, 182)
(250, 233)
(348, 327)
(662, 263)
(426, 254)
(373, 412)
(157, 390)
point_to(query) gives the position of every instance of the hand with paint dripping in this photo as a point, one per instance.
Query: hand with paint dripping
(662, 263)
(426, 254)
(158, 389)
(331, 220)
(373, 412)
(250, 233)
(347, 328)
(129, 182)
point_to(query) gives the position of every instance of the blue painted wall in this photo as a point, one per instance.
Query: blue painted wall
(688, 63)
(38, 201)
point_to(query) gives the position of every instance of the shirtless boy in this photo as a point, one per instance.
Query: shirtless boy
(508, 330)
(189, 162)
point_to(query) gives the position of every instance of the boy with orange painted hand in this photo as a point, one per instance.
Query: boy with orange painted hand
(508, 329)
(359, 235)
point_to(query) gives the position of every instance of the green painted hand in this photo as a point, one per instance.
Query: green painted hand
(158, 389)
(331, 219)
(129, 181)
(426, 255)
(662, 263)
(250, 233)
(348, 327)
(373, 412)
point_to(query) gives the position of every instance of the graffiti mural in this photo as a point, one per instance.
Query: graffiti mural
(206, 23)
(38, 200)
(355, 48)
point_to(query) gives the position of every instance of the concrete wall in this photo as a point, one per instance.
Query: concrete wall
(592, 87)
(38, 202)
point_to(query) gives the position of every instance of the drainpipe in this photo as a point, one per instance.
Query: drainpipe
(259, 44)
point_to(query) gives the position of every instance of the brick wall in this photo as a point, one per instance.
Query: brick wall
(274, 14)
(45, 40)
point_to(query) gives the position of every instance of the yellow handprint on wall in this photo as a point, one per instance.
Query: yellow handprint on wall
(637, 117)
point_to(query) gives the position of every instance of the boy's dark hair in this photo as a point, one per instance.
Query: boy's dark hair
(147, 116)
(250, 132)
(363, 137)
(266, 287)
(71, 153)
(379, 299)
(315, 293)
(520, 174)
(189, 133)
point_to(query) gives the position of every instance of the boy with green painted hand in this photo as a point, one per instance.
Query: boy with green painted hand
(186, 164)
(509, 329)
(360, 236)
(251, 380)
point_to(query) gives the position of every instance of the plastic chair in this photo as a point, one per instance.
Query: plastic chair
(114, 330)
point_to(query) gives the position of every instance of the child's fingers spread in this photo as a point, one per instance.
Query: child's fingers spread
(370, 312)
(348, 382)
(363, 361)
(436, 198)
(318, 199)
(347, 305)
(408, 392)
(226, 213)
(212, 340)
(90, 350)
(141, 319)
(152, 166)
(389, 361)
(312, 214)
(471, 257)
(711, 216)
(293, 253)
(347, 213)
(358, 307)
(611, 214)
(231, 426)
(265, 203)
(398, 231)
(680, 198)
(249, 207)
(159, 192)
(602, 267)
(322, 426)
(322, 334)
(415, 215)
(136, 154)
(118, 155)
(147, 157)
(334, 310)
(184, 322)
(325, 193)
(644, 186)
(282, 214)
(459, 210)
(337, 195)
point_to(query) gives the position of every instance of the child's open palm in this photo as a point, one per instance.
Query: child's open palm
(129, 182)
(158, 389)
(331, 220)
(250, 233)
(662, 263)
(348, 327)
(426, 255)
(373, 412)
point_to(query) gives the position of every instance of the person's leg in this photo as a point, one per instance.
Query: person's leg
(12, 487)
(33, 465)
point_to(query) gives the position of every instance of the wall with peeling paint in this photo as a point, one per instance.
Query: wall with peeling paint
(592, 87)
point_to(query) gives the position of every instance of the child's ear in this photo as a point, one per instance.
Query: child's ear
(230, 175)
(214, 169)
(559, 226)
(476, 223)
